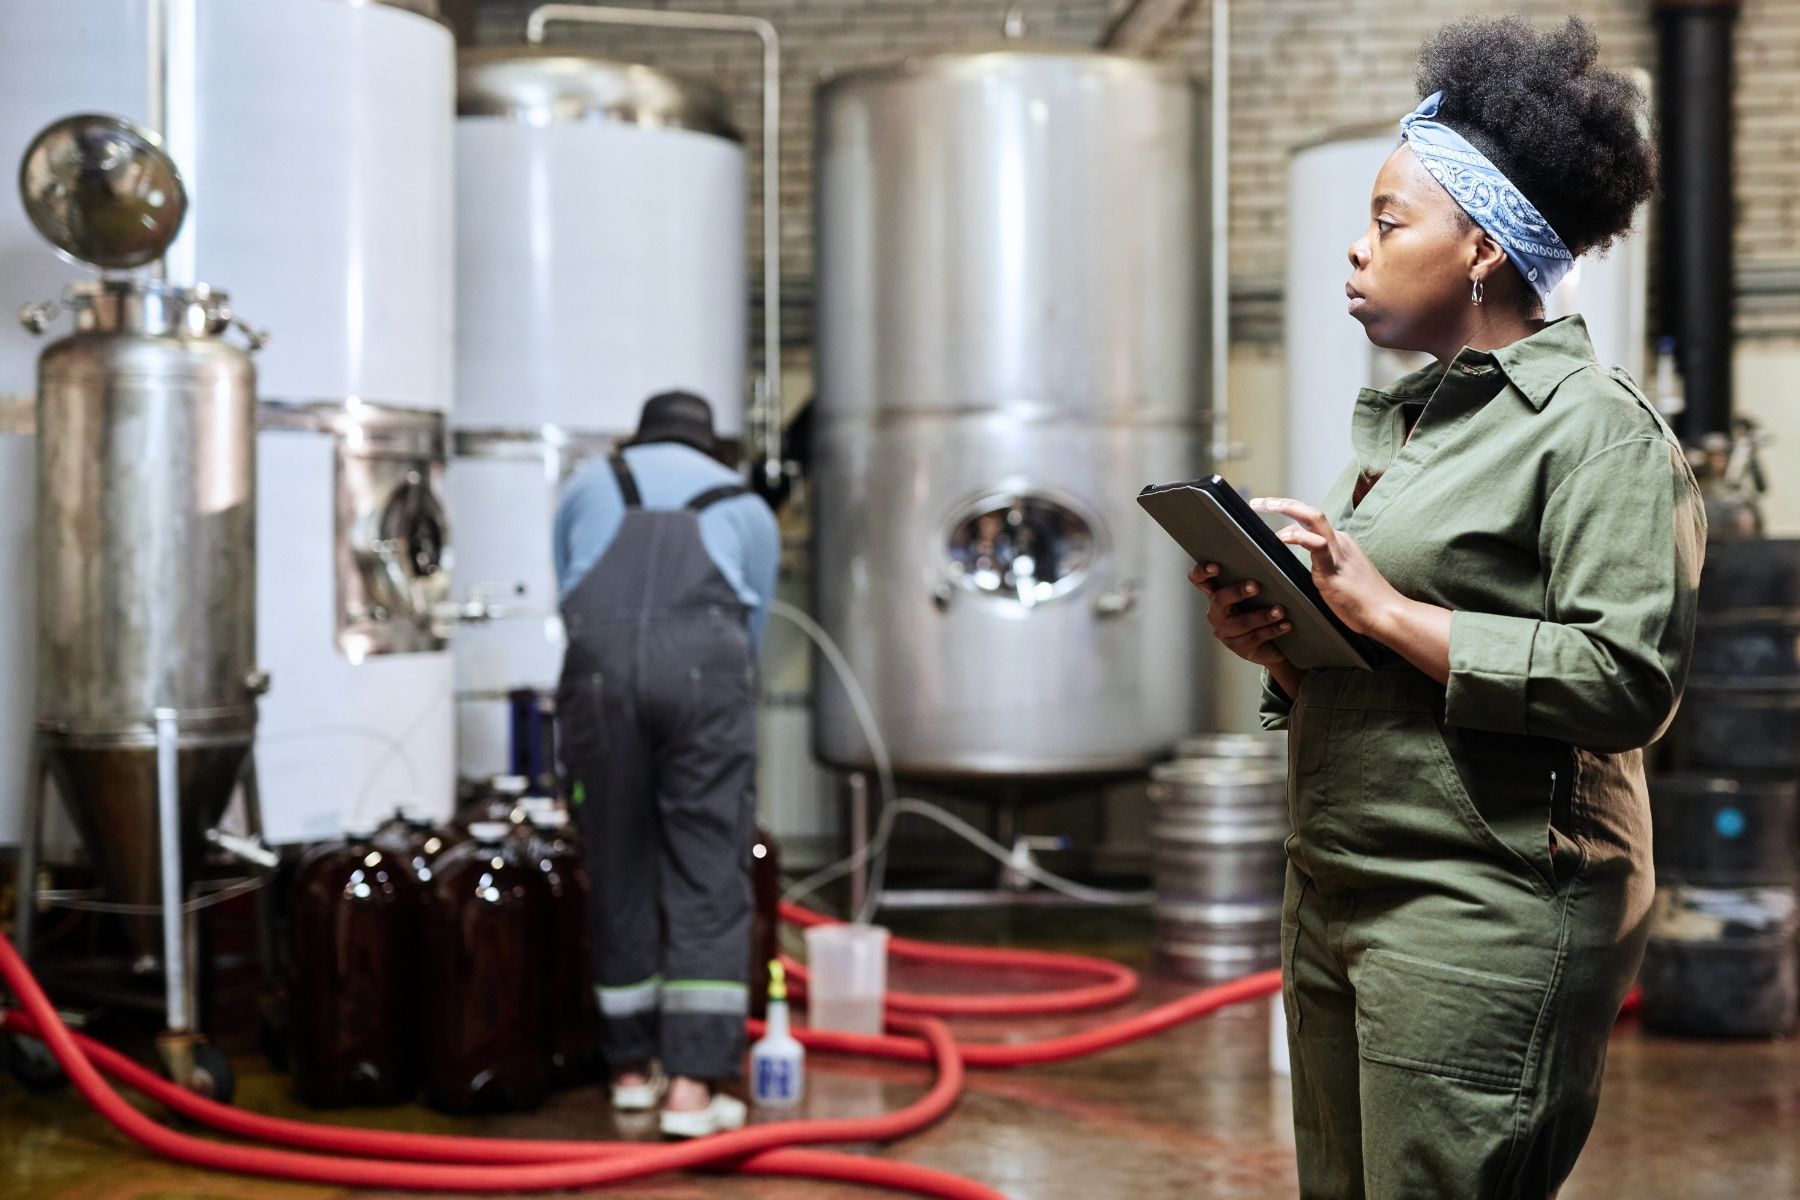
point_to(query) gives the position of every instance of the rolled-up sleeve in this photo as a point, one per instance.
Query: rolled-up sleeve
(1622, 541)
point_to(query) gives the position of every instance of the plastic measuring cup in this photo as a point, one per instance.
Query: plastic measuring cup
(847, 977)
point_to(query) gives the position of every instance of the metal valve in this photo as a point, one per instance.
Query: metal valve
(1117, 602)
(254, 339)
(37, 317)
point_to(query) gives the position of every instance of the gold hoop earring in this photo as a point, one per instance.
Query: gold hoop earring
(1478, 292)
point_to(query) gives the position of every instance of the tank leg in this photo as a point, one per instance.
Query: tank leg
(178, 992)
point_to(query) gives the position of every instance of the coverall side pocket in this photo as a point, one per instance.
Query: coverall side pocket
(1505, 800)
(1455, 1022)
(1293, 893)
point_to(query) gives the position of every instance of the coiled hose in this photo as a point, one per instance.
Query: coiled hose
(329, 1154)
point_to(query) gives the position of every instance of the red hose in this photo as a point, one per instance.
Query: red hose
(1118, 984)
(529, 1166)
(473, 1164)
(1057, 1049)
(807, 1164)
(415, 1161)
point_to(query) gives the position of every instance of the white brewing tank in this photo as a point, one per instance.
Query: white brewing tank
(1329, 357)
(349, 493)
(1011, 310)
(315, 140)
(600, 259)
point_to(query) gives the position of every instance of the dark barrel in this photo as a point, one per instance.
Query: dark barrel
(1741, 709)
(1723, 960)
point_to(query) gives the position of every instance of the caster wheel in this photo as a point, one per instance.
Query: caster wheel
(213, 1076)
(199, 1067)
(30, 1062)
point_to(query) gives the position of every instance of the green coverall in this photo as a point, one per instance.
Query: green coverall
(1469, 876)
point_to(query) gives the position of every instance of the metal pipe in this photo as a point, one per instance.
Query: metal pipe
(764, 31)
(248, 849)
(858, 785)
(1219, 310)
(180, 128)
(1697, 217)
(171, 45)
(157, 67)
(168, 833)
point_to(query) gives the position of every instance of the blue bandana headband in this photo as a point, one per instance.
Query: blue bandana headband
(1489, 197)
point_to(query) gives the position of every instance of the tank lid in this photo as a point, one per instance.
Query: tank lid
(489, 831)
(1010, 55)
(540, 87)
(102, 191)
(414, 811)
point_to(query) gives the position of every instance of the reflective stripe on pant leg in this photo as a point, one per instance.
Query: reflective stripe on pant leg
(705, 997)
(630, 1000)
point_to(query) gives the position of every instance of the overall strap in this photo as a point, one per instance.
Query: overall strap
(628, 487)
(713, 496)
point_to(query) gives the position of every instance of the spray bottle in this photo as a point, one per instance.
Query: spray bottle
(777, 1061)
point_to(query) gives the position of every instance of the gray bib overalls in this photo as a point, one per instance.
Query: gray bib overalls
(657, 707)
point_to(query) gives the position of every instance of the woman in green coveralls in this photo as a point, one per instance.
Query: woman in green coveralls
(1469, 879)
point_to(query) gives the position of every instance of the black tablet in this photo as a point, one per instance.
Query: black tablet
(1214, 524)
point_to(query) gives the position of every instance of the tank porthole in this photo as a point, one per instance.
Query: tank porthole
(1027, 548)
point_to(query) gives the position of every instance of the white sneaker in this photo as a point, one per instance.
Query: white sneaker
(723, 1114)
(640, 1097)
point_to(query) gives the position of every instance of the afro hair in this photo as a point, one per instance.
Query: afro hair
(1573, 137)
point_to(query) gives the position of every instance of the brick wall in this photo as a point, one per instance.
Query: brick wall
(1300, 68)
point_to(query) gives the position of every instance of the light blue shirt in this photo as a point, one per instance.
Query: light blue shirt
(740, 534)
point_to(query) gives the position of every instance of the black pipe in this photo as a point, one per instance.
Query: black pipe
(1694, 111)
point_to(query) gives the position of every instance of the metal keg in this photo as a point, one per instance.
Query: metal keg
(1245, 747)
(1217, 827)
(1723, 960)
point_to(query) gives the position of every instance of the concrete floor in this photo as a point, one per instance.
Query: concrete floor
(1192, 1114)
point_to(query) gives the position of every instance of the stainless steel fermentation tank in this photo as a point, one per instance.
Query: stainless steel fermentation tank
(146, 557)
(146, 571)
(1011, 268)
(146, 472)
